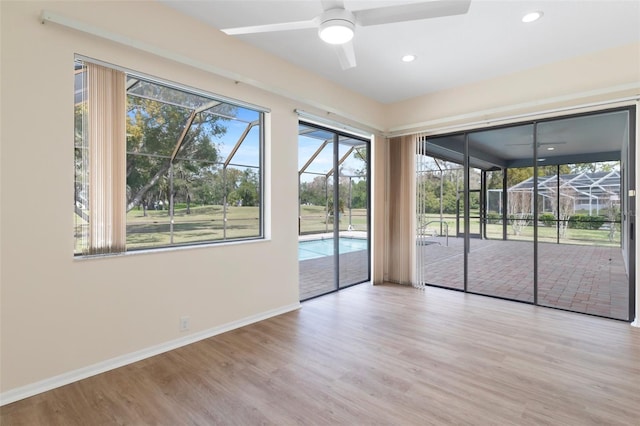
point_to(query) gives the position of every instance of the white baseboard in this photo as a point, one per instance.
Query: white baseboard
(120, 361)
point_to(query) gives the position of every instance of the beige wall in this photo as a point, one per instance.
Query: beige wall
(597, 77)
(60, 315)
(600, 80)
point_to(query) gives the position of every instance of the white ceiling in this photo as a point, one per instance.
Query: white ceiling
(489, 41)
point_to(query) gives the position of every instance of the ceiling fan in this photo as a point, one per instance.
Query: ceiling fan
(336, 25)
(538, 144)
(550, 145)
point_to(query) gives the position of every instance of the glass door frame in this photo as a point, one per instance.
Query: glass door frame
(335, 192)
(626, 192)
(465, 214)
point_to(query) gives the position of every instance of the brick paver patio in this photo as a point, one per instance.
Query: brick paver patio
(581, 278)
(316, 275)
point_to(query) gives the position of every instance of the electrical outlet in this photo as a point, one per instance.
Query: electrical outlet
(184, 323)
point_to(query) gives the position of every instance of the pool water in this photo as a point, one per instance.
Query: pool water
(314, 249)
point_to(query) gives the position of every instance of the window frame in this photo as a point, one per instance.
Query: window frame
(82, 246)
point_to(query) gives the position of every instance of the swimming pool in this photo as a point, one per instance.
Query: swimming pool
(314, 249)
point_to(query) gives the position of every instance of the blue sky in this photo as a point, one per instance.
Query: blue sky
(249, 151)
(324, 161)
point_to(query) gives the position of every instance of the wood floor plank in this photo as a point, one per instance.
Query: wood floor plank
(388, 354)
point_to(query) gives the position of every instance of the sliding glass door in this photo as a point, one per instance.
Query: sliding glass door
(440, 187)
(501, 263)
(542, 215)
(333, 219)
(581, 265)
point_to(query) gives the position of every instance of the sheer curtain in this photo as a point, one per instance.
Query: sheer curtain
(422, 165)
(402, 211)
(106, 113)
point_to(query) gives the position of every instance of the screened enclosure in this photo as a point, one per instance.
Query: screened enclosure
(159, 165)
(534, 212)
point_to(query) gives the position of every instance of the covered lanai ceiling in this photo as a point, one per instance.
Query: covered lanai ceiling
(579, 139)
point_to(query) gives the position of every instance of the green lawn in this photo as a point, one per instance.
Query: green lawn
(314, 220)
(204, 223)
(545, 233)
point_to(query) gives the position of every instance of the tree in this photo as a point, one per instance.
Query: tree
(519, 209)
(161, 135)
(204, 188)
(613, 216)
(563, 206)
(520, 174)
(314, 192)
(245, 187)
(359, 193)
(517, 175)
(603, 166)
(360, 154)
(81, 163)
(429, 185)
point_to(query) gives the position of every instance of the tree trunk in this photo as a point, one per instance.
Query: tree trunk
(139, 196)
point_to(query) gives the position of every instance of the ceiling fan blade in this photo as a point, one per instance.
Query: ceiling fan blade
(285, 26)
(411, 12)
(332, 4)
(346, 55)
(539, 143)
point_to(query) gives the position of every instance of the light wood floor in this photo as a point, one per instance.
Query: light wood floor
(388, 355)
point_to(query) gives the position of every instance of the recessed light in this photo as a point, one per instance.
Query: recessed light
(550, 148)
(408, 58)
(532, 16)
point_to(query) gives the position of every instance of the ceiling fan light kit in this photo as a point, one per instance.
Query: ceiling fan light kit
(532, 16)
(337, 26)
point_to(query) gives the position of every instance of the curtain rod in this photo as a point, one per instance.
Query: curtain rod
(52, 17)
(363, 131)
(423, 127)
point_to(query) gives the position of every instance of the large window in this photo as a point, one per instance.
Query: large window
(159, 166)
